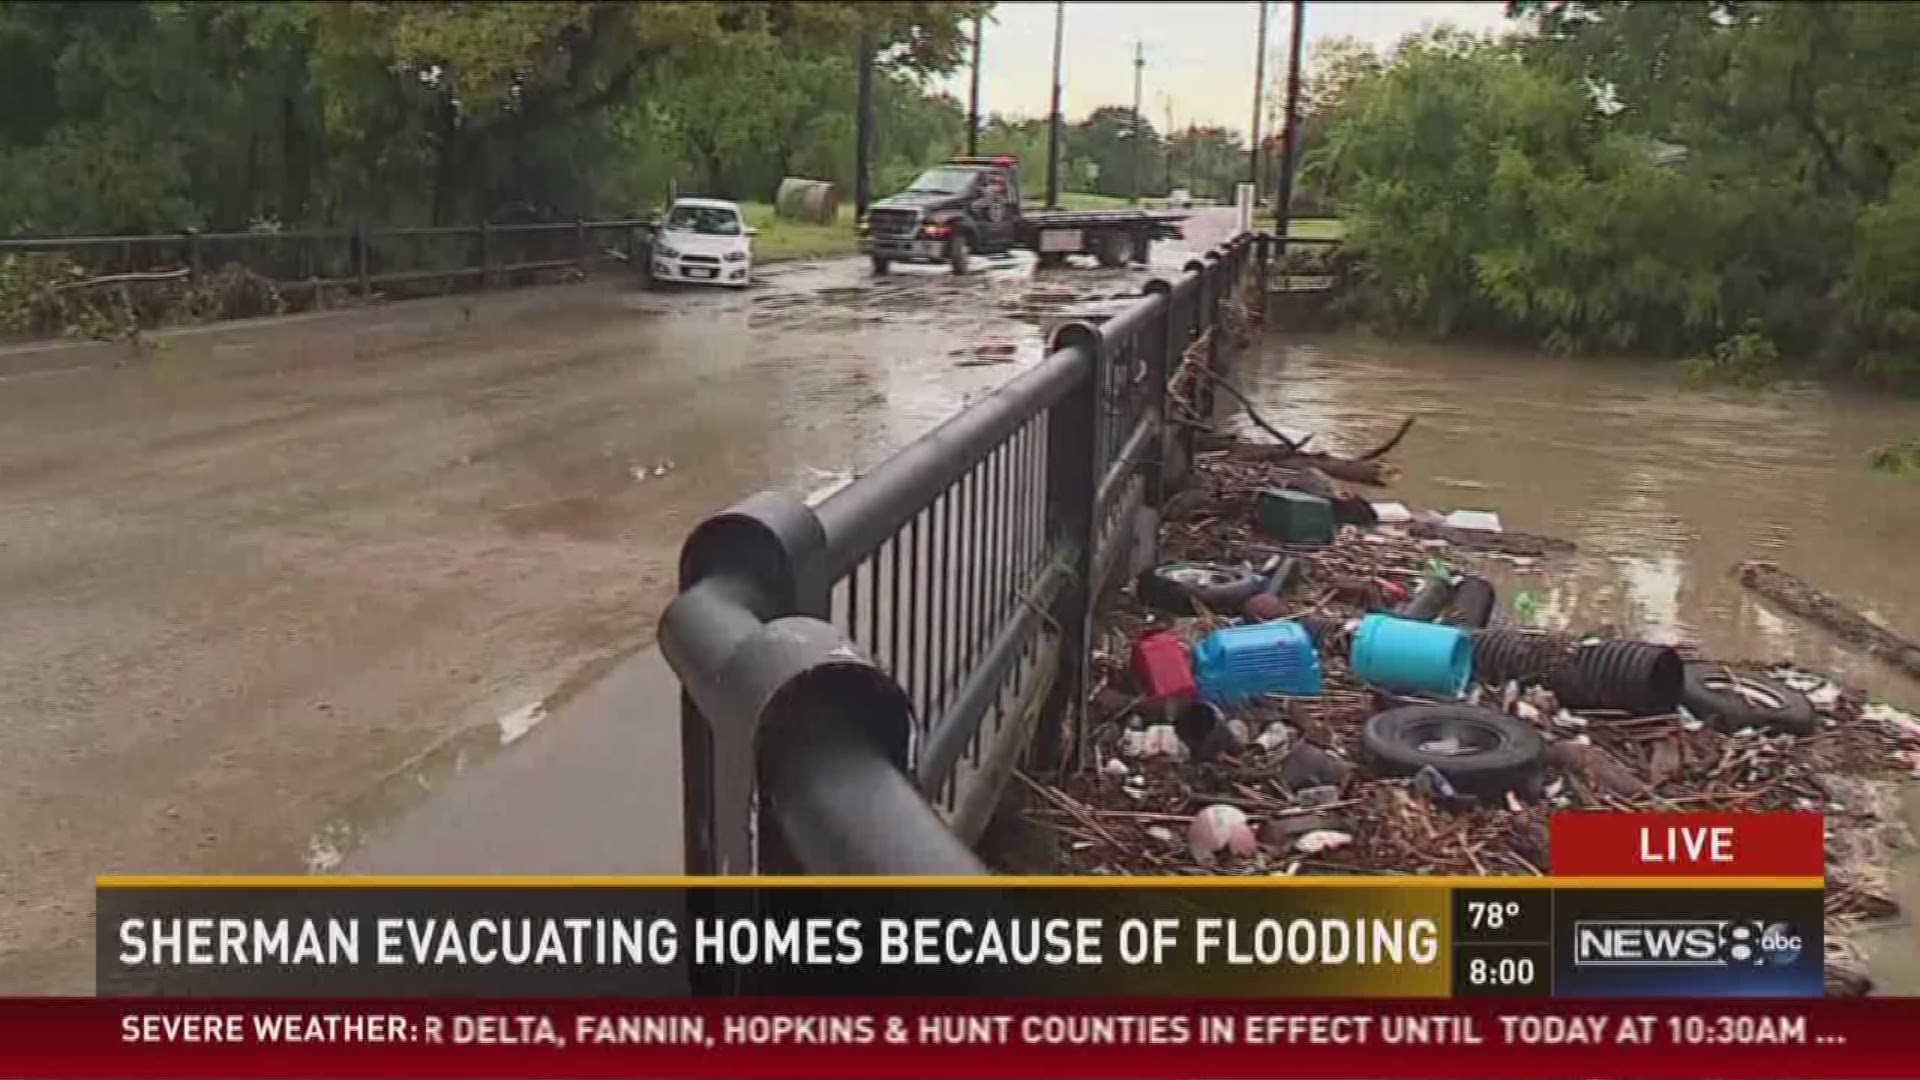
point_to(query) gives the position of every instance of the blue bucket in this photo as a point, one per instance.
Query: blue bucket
(1236, 664)
(1412, 657)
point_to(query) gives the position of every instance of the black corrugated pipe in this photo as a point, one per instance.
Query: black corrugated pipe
(1633, 676)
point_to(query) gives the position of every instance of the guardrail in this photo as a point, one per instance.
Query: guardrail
(861, 675)
(474, 256)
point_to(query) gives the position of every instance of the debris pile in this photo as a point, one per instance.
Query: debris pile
(1245, 762)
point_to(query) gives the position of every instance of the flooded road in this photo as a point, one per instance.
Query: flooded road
(262, 568)
(1664, 488)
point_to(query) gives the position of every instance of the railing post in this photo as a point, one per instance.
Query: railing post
(756, 551)
(581, 251)
(1161, 352)
(192, 237)
(361, 259)
(1216, 294)
(1073, 477)
(486, 254)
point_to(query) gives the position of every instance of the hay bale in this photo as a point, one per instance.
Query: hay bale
(800, 199)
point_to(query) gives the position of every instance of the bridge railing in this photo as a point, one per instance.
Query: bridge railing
(304, 265)
(861, 675)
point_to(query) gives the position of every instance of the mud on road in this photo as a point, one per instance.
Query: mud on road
(260, 568)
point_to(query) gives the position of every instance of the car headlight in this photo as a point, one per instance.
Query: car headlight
(736, 256)
(663, 249)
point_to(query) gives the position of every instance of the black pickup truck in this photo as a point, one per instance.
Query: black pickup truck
(971, 205)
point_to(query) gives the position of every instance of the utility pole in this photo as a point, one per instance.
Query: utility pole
(1168, 102)
(973, 96)
(1259, 101)
(1291, 129)
(1053, 124)
(1139, 149)
(863, 127)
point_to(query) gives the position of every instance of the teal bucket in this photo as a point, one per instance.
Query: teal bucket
(1412, 657)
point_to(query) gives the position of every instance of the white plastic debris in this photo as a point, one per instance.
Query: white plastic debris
(1477, 520)
(1553, 790)
(1801, 681)
(1893, 719)
(1824, 698)
(1688, 721)
(1159, 740)
(1565, 719)
(1392, 513)
(1162, 741)
(1236, 730)
(1525, 711)
(1320, 841)
(1221, 828)
(1161, 833)
(1115, 767)
(1277, 735)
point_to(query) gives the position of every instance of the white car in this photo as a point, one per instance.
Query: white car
(1179, 199)
(705, 241)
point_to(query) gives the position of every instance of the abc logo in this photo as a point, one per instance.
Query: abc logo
(1775, 944)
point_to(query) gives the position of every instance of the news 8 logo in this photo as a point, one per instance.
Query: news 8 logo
(1685, 943)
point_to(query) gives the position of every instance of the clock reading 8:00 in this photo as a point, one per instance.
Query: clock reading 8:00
(1504, 971)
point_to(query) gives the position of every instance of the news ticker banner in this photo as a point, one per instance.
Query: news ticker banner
(933, 1038)
(1647, 933)
(1267, 937)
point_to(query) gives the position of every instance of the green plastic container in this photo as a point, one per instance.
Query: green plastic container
(1295, 516)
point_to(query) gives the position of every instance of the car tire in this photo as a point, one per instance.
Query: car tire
(1174, 587)
(1506, 754)
(1732, 698)
(958, 252)
(881, 264)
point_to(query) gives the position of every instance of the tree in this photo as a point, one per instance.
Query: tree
(1209, 161)
(1106, 138)
(159, 115)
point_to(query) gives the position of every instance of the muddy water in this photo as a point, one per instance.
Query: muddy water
(1664, 489)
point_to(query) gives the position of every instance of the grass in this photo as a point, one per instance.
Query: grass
(781, 239)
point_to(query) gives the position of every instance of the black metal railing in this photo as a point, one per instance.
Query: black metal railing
(303, 263)
(860, 676)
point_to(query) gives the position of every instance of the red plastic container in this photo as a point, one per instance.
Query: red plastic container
(1160, 665)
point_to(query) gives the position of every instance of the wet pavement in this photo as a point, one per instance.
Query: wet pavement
(267, 580)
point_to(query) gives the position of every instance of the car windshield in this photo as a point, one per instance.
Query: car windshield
(943, 181)
(705, 220)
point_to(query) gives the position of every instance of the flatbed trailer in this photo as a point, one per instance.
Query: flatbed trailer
(972, 206)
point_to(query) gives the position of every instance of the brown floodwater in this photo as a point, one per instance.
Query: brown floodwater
(1664, 487)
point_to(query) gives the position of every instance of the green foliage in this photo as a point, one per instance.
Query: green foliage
(1899, 459)
(1749, 360)
(1683, 179)
(160, 115)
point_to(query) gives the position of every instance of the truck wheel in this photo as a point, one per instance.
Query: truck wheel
(1142, 247)
(957, 252)
(881, 263)
(1114, 249)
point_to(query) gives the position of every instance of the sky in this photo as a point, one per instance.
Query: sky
(1200, 56)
